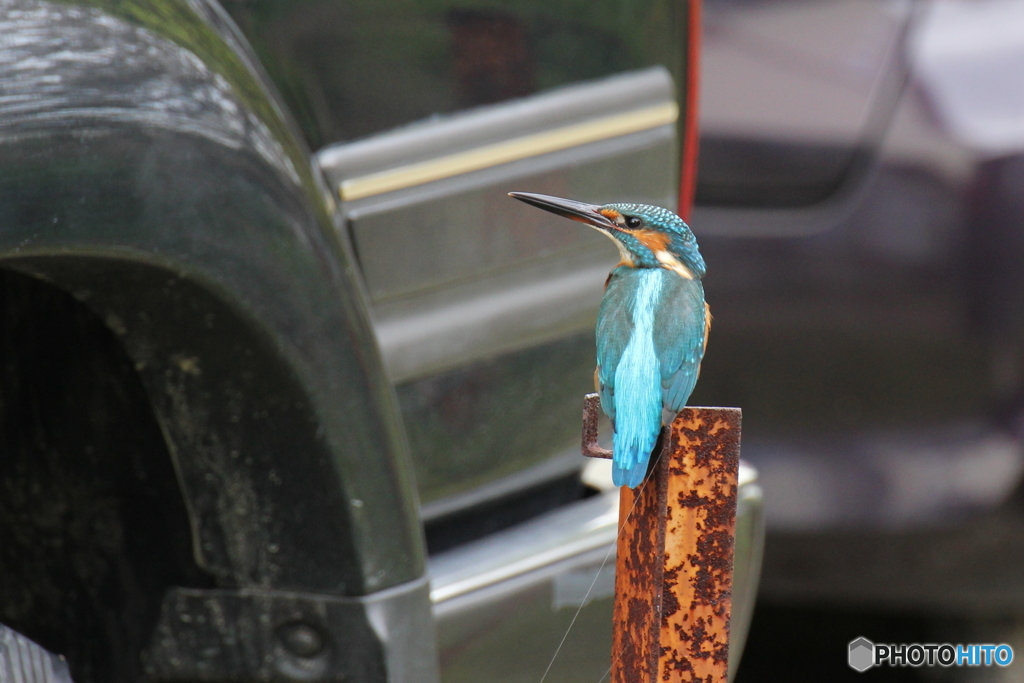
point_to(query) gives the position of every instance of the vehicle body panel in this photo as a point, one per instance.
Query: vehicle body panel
(146, 170)
(478, 303)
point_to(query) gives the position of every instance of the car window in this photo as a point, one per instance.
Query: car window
(794, 95)
(350, 68)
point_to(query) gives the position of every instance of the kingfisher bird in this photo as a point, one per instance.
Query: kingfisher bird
(652, 326)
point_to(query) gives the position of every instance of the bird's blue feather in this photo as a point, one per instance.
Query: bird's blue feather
(650, 339)
(614, 330)
(679, 340)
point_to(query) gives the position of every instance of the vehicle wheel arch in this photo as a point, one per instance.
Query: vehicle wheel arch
(155, 179)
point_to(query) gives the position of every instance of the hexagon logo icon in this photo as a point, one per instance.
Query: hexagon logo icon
(862, 654)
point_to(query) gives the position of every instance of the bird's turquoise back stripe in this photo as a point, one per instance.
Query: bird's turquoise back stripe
(638, 383)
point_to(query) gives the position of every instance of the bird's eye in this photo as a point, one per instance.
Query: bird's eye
(632, 222)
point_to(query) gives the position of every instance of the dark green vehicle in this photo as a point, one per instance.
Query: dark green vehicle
(268, 414)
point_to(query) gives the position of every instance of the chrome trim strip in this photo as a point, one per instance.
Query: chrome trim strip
(523, 566)
(508, 151)
(497, 178)
(568, 533)
(556, 537)
(463, 131)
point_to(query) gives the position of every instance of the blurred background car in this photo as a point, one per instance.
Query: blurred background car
(270, 414)
(859, 199)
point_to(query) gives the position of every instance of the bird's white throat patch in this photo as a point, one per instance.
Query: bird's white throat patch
(666, 259)
(625, 258)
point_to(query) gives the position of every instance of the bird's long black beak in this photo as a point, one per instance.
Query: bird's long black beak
(577, 211)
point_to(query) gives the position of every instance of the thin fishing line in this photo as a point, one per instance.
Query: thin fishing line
(636, 501)
(578, 610)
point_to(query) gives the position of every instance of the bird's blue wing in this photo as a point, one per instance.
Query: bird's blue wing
(672, 332)
(614, 328)
(628, 369)
(679, 338)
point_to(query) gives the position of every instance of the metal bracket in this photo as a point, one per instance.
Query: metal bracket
(591, 406)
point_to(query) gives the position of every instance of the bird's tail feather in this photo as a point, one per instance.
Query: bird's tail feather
(632, 476)
(631, 453)
(637, 425)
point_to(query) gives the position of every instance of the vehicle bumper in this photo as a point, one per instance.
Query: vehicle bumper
(505, 603)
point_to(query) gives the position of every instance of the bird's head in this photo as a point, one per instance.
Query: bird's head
(647, 236)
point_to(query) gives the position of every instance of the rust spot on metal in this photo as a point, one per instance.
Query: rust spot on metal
(637, 602)
(673, 579)
(591, 406)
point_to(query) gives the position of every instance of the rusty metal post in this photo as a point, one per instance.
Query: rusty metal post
(674, 561)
